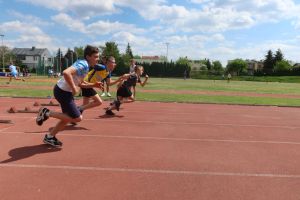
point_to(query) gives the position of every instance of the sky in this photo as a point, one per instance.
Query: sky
(197, 29)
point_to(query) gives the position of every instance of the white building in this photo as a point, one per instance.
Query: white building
(33, 57)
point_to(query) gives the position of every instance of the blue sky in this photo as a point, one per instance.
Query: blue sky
(215, 29)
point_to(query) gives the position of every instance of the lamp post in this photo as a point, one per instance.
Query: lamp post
(167, 43)
(2, 36)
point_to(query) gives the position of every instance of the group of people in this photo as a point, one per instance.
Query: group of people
(86, 75)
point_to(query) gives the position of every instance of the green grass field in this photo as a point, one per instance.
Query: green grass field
(179, 90)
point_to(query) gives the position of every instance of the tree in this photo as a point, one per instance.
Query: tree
(269, 63)
(70, 58)
(183, 61)
(217, 66)
(282, 66)
(59, 60)
(111, 49)
(129, 51)
(278, 56)
(208, 65)
(238, 66)
(79, 52)
(8, 56)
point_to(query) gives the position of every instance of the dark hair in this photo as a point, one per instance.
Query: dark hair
(90, 50)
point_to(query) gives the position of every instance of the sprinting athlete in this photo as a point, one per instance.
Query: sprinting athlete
(124, 94)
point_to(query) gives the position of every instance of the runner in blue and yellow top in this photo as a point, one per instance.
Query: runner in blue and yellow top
(98, 73)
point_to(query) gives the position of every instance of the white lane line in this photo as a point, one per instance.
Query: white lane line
(196, 123)
(151, 171)
(181, 123)
(163, 138)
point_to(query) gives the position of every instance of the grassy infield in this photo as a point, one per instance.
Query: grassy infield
(180, 85)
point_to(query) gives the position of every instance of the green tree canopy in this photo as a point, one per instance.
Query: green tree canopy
(111, 49)
(282, 66)
(278, 56)
(183, 61)
(79, 52)
(269, 63)
(217, 66)
(238, 66)
(129, 51)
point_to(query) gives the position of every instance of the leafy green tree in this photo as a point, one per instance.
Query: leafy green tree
(8, 56)
(217, 66)
(79, 52)
(238, 66)
(183, 61)
(282, 66)
(111, 49)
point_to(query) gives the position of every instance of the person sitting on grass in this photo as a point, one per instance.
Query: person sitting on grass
(13, 73)
(124, 94)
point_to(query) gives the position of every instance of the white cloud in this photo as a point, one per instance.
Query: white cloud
(72, 24)
(28, 18)
(81, 8)
(27, 35)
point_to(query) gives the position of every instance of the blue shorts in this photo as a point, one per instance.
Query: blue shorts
(67, 102)
(13, 74)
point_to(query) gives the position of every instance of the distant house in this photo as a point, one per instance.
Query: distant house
(296, 65)
(253, 65)
(33, 57)
(197, 65)
(151, 59)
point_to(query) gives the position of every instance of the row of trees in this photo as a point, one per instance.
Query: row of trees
(170, 69)
(273, 64)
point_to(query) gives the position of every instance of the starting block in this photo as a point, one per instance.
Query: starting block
(6, 121)
(36, 103)
(26, 110)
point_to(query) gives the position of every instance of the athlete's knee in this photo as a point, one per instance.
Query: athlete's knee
(98, 102)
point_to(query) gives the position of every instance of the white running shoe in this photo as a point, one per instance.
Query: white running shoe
(103, 94)
(108, 94)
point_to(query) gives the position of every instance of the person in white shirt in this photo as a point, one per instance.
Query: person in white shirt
(64, 91)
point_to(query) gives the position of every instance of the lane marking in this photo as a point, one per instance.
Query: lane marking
(163, 138)
(151, 171)
(182, 123)
(198, 123)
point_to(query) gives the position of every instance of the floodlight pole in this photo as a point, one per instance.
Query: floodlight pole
(2, 36)
(167, 43)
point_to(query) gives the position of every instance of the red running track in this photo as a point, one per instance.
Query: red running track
(154, 151)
